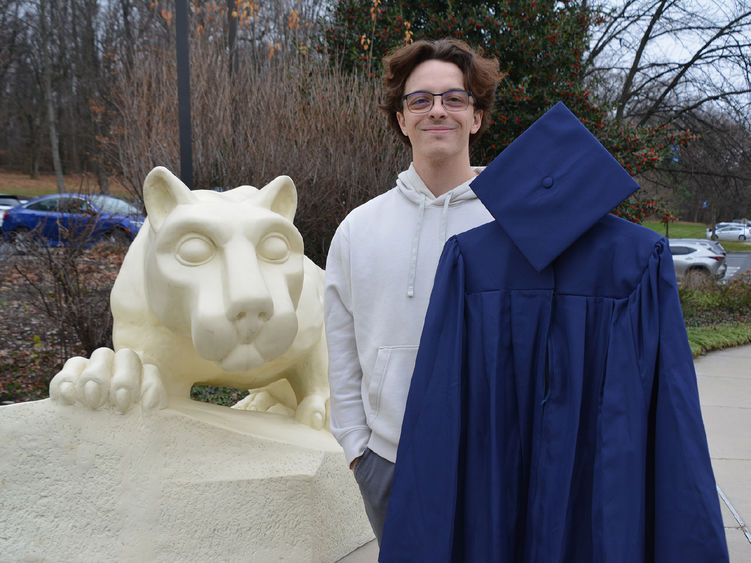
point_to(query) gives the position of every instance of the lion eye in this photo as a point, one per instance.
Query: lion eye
(195, 251)
(273, 248)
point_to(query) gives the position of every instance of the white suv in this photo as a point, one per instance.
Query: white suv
(697, 260)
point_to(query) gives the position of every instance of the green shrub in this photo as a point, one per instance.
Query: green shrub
(714, 304)
(225, 396)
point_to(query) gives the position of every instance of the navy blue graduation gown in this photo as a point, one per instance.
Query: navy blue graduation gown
(553, 414)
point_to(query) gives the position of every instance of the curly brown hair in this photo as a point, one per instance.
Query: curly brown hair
(481, 76)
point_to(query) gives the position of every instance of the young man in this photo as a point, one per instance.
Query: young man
(384, 255)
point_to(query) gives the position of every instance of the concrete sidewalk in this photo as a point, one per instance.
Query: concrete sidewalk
(725, 392)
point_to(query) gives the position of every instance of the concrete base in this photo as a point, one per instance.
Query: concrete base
(193, 482)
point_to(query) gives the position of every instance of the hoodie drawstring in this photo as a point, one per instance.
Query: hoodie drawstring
(416, 239)
(444, 217)
(415, 246)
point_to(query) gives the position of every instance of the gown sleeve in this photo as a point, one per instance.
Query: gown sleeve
(654, 491)
(687, 521)
(419, 523)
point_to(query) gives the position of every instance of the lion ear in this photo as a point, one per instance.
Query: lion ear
(280, 196)
(162, 192)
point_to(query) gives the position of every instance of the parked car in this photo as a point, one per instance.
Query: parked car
(733, 223)
(7, 201)
(697, 260)
(61, 218)
(732, 231)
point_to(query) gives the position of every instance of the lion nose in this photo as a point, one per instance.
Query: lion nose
(247, 295)
(243, 312)
(251, 305)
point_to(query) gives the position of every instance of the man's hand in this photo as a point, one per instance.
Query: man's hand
(354, 462)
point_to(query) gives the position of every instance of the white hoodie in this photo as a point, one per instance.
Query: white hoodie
(379, 275)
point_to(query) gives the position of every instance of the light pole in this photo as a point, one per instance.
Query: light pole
(183, 92)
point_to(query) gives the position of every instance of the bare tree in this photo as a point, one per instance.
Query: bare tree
(10, 33)
(684, 65)
(20, 94)
(52, 69)
(655, 60)
(710, 179)
(45, 32)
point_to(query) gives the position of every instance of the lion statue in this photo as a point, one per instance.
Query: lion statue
(216, 290)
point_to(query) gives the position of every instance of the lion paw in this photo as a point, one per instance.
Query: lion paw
(313, 410)
(263, 401)
(118, 379)
(279, 398)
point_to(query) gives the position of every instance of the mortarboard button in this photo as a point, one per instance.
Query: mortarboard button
(547, 182)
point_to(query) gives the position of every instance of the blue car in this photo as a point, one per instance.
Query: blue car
(63, 218)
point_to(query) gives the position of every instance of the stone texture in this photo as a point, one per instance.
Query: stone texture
(193, 482)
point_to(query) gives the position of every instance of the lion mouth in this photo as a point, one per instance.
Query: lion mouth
(242, 358)
(247, 342)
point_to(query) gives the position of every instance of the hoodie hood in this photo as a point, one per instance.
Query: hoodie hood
(411, 186)
(551, 185)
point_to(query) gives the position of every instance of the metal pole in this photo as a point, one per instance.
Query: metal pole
(232, 37)
(183, 92)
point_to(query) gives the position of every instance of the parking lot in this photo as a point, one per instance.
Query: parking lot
(737, 262)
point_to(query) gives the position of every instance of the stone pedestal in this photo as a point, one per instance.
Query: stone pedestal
(193, 482)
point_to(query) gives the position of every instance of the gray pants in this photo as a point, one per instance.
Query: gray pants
(374, 475)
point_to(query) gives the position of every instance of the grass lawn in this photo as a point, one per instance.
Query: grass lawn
(23, 185)
(681, 229)
(703, 339)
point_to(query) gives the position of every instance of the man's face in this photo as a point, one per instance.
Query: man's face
(438, 133)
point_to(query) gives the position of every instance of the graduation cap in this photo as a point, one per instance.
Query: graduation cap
(551, 185)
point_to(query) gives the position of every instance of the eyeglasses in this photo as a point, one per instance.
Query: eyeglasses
(452, 100)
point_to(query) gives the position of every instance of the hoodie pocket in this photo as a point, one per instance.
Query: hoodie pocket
(392, 374)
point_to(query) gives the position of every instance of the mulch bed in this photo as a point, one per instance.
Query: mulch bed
(27, 336)
(31, 352)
